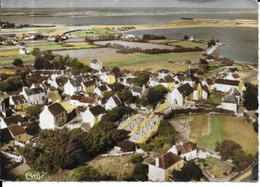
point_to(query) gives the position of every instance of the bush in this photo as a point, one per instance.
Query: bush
(84, 173)
(190, 171)
(18, 62)
(250, 97)
(156, 94)
(137, 158)
(126, 146)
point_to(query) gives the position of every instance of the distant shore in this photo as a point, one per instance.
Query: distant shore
(188, 23)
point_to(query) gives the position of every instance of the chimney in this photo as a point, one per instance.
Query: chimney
(157, 161)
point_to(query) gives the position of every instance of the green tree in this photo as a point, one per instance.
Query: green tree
(141, 79)
(250, 96)
(18, 62)
(33, 128)
(190, 171)
(126, 96)
(225, 148)
(35, 51)
(156, 94)
(34, 111)
(186, 37)
(166, 129)
(117, 113)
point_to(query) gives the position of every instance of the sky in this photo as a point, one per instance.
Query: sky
(129, 3)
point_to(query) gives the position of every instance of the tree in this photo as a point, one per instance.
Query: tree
(117, 113)
(117, 87)
(225, 148)
(137, 158)
(18, 62)
(126, 146)
(116, 71)
(211, 42)
(35, 51)
(57, 153)
(126, 96)
(156, 94)
(141, 80)
(33, 128)
(250, 96)
(34, 111)
(119, 135)
(190, 171)
(166, 129)
(186, 37)
(255, 125)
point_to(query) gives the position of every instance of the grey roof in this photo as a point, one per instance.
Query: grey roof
(230, 99)
(75, 83)
(236, 92)
(185, 89)
(137, 89)
(34, 91)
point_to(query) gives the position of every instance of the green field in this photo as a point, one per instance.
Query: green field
(190, 44)
(57, 46)
(10, 59)
(93, 32)
(214, 98)
(142, 58)
(217, 134)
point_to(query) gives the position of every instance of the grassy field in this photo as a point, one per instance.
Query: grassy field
(198, 127)
(93, 32)
(119, 167)
(242, 132)
(217, 134)
(190, 44)
(29, 30)
(10, 59)
(57, 46)
(137, 60)
(214, 98)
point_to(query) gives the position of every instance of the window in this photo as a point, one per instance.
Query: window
(57, 117)
(62, 114)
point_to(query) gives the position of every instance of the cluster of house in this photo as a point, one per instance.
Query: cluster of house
(86, 91)
(160, 167)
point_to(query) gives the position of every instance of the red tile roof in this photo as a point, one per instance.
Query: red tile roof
(167, 160)
(16, 130)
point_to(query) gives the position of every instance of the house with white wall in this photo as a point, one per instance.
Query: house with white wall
(93, 115)
(113, 102)
(34, 95)
(161, 168)
(53, 116)
(187, 151)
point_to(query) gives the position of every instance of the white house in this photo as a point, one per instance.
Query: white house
(34, 95)
(137, 91)
(113, 102)
(230, 103)
(24, 51)
(205, 92)
(160, 169)
(97, 65)
(73, 86)
(187, 151)
(93, 115)
(101, 89)
(179, 95)
(53, 116)
(225, 85)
